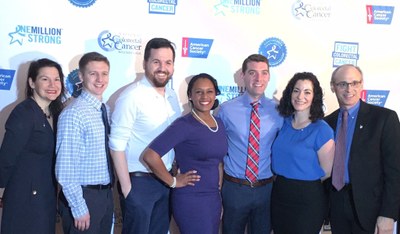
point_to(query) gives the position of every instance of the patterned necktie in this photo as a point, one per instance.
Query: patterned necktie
(340, 154)
(107, 131)
(254, 145)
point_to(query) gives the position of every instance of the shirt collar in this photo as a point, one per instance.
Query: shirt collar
(352, 111)
(247, 100)
(147, 83)
(92, 100)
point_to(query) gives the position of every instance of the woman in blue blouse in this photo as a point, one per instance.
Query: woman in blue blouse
(302, 157)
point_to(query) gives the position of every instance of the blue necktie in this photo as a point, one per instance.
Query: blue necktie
(107, 131)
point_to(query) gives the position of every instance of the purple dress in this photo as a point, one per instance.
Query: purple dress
(196, 209)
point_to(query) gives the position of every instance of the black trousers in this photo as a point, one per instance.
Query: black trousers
(101, 208)
(343, 215)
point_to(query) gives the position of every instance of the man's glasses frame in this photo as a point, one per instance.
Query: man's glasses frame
(345, 85)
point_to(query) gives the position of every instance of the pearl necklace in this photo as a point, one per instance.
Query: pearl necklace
(216, 124)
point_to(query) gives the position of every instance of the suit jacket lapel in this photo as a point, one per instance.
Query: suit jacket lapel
(361, 123)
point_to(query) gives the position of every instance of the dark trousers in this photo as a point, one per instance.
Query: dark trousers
(146, 207)
(343, 215)
(101, 208)
(245, 206)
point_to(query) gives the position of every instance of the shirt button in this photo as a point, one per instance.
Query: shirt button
(34, 192)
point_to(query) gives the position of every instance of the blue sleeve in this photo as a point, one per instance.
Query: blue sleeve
(325, 133)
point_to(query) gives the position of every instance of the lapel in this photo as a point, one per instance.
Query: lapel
(361, 124)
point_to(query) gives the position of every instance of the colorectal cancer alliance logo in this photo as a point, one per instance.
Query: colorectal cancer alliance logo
(82, 3)
(124, 43)
(73, 83)
(162, 6)
(274, 49)
(311, 10)
(345, 53)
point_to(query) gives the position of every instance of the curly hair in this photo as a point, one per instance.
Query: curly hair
(285, 107)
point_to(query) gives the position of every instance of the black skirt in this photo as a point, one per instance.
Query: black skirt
(297, 206)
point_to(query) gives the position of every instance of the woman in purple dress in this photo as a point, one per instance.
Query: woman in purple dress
(200, 143)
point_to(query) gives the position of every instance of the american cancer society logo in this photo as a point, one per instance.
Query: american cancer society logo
(379, 14)
(375, 97)
(196, 47)
(35, 34)
(345, 53)
(162, 6)
(6, 78)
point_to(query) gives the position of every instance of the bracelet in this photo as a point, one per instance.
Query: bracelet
(173, 185)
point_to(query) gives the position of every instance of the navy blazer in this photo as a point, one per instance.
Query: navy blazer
(374, 163)
(27, 157)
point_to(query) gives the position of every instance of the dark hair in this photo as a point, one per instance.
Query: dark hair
(89, 57)
(210, 78)
(157, 43)
(285, 107)
(254, 58)
(55, 106)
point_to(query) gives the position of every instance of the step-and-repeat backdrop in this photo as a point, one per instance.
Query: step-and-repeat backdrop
(212, 36)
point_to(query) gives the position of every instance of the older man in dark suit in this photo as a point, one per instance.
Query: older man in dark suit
(365, 194)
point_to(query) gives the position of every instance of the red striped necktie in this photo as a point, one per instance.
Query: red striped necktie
(253, 148)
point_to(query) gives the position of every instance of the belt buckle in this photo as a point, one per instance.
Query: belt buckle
(251, 185)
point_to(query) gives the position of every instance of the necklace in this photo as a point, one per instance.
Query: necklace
(44, 113)
(216, 124)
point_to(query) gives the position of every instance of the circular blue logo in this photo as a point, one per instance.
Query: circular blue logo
(82, 3)
(74, 84)
(107, 41)
(274, 50)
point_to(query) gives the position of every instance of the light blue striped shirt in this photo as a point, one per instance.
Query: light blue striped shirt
(81, 156)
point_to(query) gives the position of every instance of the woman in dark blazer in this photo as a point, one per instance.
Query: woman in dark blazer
(27, 153)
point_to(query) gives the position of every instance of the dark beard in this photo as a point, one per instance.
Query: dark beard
(158, 84)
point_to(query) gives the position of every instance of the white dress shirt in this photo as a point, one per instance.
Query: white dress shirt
(140, 115)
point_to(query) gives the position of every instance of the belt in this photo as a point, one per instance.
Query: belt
(141, 174)
(97, 186)
(257, 183)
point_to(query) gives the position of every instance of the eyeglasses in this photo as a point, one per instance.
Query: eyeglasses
(345, 85)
